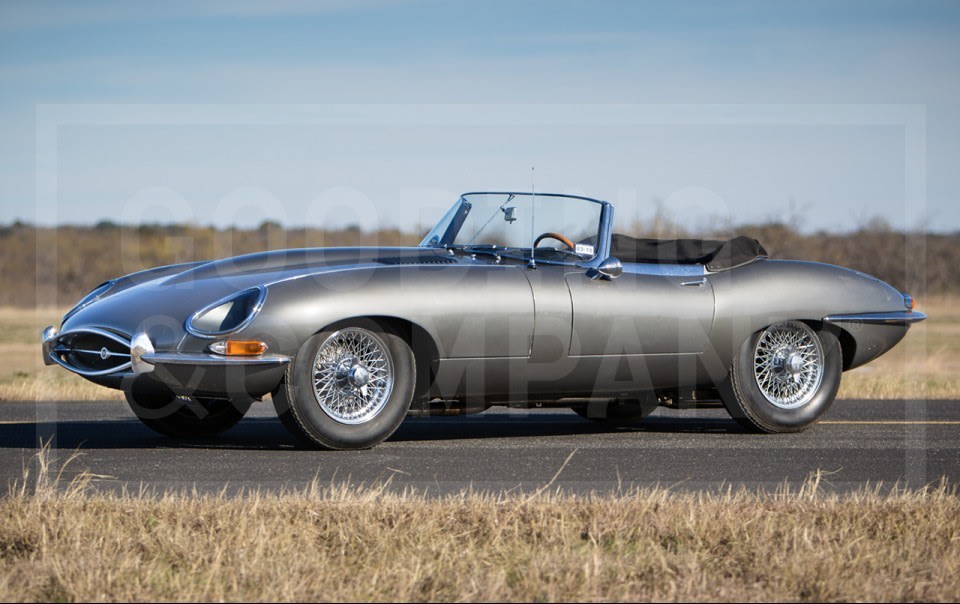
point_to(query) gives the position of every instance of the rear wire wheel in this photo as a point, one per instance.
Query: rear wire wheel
(784, 378)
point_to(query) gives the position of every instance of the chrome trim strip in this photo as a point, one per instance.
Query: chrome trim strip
(262, 297)
(664, 270)
(606, 234)
(325, 271)
(84, 372)
(897, 317)
(178, 358)
(530, 194)
(99, 332)
(98, 353)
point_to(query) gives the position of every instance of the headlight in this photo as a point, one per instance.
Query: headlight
(227, 315)
(90, 298)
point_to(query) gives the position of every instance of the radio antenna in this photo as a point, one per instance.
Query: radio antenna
(533, 216)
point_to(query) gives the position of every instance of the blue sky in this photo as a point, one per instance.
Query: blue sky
(654, 101)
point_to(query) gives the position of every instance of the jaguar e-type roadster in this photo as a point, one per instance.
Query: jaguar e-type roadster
(517, 299)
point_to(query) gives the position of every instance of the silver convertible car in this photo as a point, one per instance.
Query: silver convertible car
(515, 299)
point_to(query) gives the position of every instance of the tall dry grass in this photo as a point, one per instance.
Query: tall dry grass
(338, 543)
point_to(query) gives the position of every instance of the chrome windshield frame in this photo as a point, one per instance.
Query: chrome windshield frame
(603, 237)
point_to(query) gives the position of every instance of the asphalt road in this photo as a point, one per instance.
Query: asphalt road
(859, 443)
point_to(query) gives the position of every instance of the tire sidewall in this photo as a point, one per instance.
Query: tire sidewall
(325, 430)
(771, 418)
(169, 415)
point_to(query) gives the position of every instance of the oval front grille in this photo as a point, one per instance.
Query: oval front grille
(92, 351)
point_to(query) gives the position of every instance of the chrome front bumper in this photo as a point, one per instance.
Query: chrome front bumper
(899, 317)
(138, 355)
(133, 361)
(47, 337)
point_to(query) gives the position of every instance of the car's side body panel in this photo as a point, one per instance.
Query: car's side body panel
(640, 314)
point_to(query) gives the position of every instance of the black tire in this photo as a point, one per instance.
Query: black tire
(182, 417)
(299, 406)
(752, 408)
(616, 411)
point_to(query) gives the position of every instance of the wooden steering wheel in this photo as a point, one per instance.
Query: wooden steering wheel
(558, 237)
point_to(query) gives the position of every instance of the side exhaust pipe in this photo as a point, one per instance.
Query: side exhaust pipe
(440, 408)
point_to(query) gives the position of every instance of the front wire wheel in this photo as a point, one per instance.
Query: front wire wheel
(353, 375)
(349, 387)
(784, 378)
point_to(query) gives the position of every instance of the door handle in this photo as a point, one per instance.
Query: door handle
(698, 282)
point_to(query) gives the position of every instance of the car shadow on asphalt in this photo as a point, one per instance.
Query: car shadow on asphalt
(532, 425)
(267, 433)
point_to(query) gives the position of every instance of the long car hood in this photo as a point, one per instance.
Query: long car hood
(265, 267)
(168, 295)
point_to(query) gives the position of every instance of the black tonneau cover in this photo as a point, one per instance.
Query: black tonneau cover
(715, 254)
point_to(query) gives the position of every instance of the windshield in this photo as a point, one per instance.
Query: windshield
(565, 225)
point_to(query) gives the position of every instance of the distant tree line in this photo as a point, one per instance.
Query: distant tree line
(56, 266)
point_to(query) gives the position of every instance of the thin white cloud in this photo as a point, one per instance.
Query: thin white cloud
(32, 16)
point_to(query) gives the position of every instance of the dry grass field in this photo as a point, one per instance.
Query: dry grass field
(373, 544)
(925, 365)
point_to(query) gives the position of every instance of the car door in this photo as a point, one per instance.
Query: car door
(650, 309)
(483, 311)
(484, 320)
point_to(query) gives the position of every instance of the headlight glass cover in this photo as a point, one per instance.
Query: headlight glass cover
(227, 315)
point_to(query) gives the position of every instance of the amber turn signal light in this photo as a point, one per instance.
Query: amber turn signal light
(908, 302)
(245, 348)
(239, 348)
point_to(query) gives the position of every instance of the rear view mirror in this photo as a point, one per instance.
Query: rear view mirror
(609, 269)
(510, 214)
